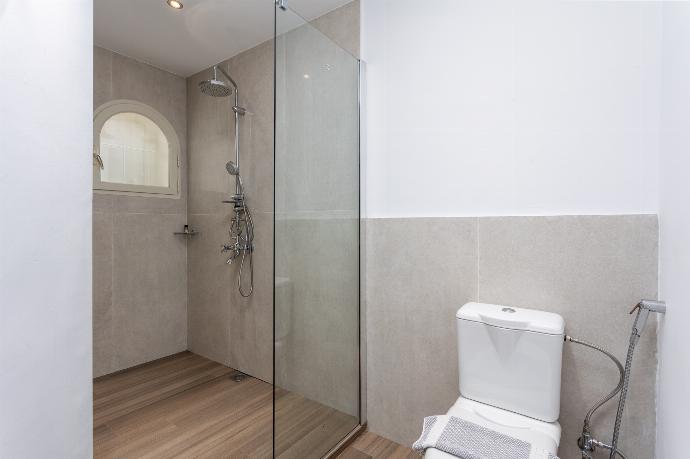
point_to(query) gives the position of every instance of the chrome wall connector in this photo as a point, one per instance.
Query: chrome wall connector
(282, 4)
(651, 305)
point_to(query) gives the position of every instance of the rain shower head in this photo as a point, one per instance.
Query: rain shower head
(232, 168)
(215, 88)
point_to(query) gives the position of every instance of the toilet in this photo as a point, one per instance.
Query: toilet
(510, 374)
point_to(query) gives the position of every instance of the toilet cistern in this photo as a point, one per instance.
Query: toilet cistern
(509, 362)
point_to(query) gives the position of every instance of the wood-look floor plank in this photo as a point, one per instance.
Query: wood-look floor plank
(125, 392)
(353, 453)
(185, 406)
(172, 425)
(238, 411)
(306, 429)
(376, 447)
(163, 377)
(115, 382)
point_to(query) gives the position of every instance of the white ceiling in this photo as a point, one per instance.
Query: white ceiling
(199, 35)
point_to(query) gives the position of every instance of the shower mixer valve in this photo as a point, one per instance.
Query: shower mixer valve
(236, 249)
(241, 234)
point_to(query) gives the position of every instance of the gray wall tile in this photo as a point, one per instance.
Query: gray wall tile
(253, 71)
(316, 229)
(320, 360)
(224, 326)
(590, 269)
(102, 249)
(211, 283)
(251, 319)
(317, 124)
(149, 288)
(102, 76)
(342, 26)
(238, 331)
(123, 313)
(363, 350)
(419, 272)
(211, 139)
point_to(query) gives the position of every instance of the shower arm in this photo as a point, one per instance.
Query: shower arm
(229, 78)
(238, 111)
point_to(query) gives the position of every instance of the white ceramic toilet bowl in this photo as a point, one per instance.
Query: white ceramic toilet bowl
(543, 436)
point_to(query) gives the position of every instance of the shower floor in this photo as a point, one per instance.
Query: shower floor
(188, 406)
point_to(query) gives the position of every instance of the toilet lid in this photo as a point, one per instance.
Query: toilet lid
(543, 436)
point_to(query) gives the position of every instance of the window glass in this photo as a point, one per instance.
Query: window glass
(134, 151)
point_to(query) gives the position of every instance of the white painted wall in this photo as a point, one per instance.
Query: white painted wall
(511, 108)
(45, 228)
(674, 353)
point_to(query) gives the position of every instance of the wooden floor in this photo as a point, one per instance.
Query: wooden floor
(186, 406)
(371, 446)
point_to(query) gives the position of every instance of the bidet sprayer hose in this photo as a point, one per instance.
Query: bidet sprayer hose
(643, 308)
(615, 391)
(587, 442)
(624, 393)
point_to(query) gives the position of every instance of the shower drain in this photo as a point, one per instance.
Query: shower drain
(238, 376)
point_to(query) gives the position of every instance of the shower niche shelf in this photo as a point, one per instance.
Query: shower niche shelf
(186, 232)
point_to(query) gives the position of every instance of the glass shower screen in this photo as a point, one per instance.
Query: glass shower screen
(316, 295)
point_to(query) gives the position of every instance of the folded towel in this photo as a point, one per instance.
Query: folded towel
(467, 440)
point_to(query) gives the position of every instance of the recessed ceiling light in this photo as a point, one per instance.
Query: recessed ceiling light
(175, 4)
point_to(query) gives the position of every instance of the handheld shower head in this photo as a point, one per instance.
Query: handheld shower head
(232, 168)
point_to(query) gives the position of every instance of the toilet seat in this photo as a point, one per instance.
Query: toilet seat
(543, 436)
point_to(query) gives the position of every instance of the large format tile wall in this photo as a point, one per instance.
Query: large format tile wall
(141, 271)
(590, 269)
(139, 266)
(317, 215)
(342, 26)
(223, 325)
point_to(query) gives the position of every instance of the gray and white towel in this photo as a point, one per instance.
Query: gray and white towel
(468, 440)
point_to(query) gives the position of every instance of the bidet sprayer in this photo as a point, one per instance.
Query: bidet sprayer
(587, 442)
(645, 307)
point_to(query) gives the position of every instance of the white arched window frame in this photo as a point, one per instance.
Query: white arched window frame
(106, 112)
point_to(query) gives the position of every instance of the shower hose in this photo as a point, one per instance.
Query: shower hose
(247, 253)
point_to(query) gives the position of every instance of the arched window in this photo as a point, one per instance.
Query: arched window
(135, 149)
